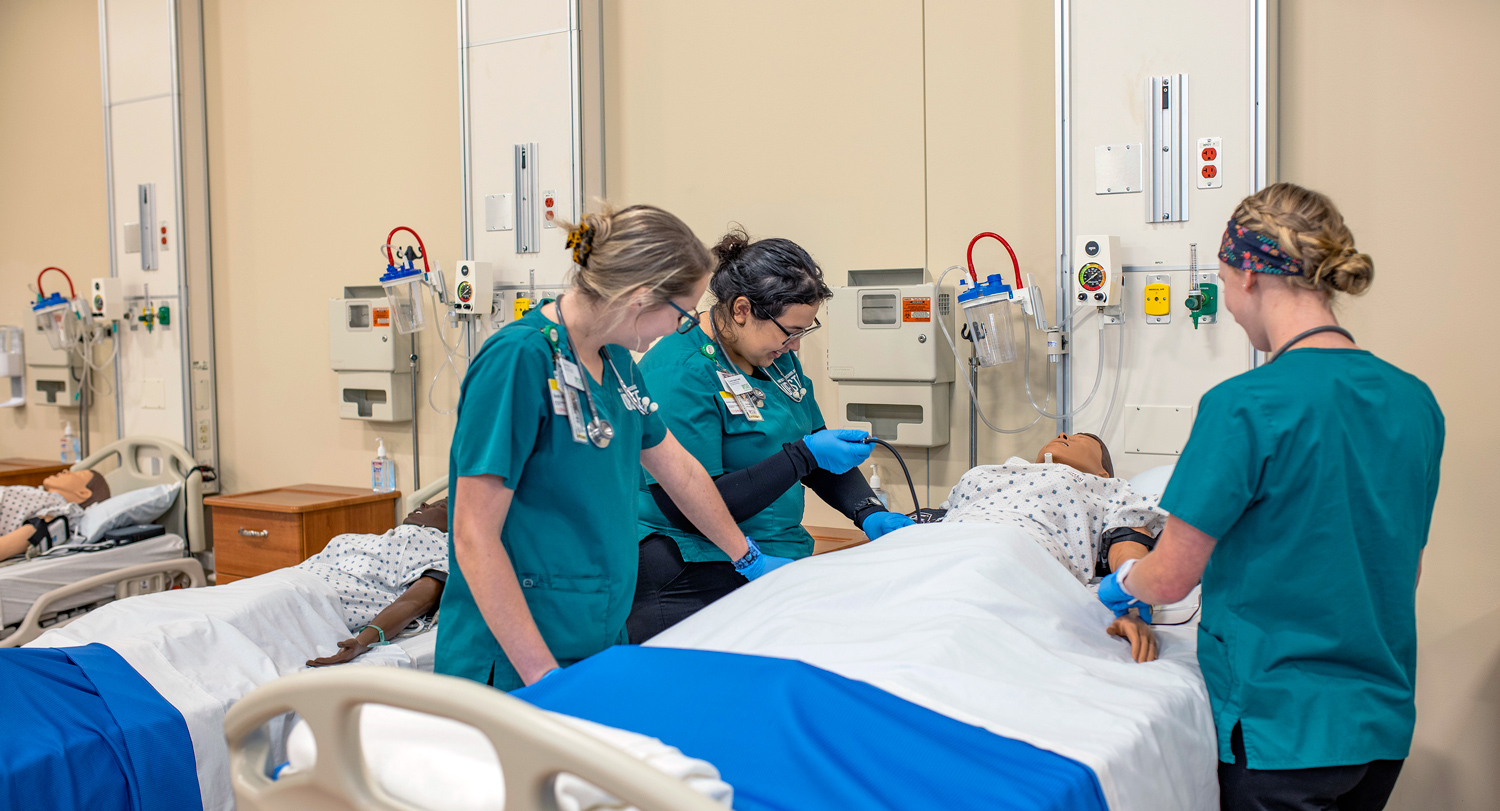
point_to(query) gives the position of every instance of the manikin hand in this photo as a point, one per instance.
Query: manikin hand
(1138, 633)
(349, 650)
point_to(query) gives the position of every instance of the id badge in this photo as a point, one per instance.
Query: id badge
(559, 405)
(570, 374)
(579, 425)
(730, 403)
(739, 388)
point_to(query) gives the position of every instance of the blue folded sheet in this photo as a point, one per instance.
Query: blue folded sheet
(791, 737)
(80, 729)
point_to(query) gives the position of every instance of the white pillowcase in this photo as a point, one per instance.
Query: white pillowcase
(135, 507)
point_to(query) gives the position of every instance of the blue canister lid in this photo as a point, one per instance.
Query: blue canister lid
(394, 274)
(993, 285)
(49, 302)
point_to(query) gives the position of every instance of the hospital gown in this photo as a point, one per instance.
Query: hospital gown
(1064, 510)
(19, 504)
(370, 571)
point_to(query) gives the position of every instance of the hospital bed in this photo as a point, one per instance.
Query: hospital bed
(198, 652)
(49, 591)
(972, 626)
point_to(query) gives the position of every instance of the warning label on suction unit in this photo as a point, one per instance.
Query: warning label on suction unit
(916, 309)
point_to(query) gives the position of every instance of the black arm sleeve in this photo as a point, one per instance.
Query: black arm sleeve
(847, 492)
(749, 490)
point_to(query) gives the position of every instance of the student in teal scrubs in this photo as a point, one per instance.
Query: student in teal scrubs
(1302, 501)
(733, 391)
(554, 426)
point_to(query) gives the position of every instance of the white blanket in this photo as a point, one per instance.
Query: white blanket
(980, 624)
(444, 765)
(205, 649)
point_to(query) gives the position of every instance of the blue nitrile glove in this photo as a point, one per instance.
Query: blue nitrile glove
(878, 524)
(756, 563)
(840, 450)
(1117, 599)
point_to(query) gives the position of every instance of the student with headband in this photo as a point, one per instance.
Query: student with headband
(1302, 501)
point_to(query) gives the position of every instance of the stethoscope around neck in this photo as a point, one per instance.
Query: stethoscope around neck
(790, 383)
(598, 429)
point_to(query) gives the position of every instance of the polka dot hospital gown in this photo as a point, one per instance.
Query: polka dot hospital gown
(18, 504)
(370, 571)
(1064, 510)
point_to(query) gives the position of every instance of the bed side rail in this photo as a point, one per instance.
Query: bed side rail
(533, 748)
(142, 578)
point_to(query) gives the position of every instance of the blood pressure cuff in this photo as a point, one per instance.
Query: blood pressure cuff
(1113, 536)
(750, 490)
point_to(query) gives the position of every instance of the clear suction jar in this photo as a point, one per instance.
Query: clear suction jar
(988, 319)
(403, 288)
(52, 319)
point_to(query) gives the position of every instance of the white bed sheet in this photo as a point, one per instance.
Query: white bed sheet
(977, 622)
(22, 583)
(205, 649)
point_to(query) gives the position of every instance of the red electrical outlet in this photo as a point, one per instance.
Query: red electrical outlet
(1209, 163)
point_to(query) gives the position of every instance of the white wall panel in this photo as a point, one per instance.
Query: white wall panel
(490, 21)
(139, 37)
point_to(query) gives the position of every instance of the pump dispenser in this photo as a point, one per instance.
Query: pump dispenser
(69, 444)
(885, 500)
(382, 470)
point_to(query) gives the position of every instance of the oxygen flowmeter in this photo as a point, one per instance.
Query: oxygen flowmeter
(1203, 292)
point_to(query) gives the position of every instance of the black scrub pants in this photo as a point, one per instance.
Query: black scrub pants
(668, 589)
(1333, 788)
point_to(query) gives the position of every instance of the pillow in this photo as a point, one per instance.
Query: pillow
(135, 507)
(1152, 482)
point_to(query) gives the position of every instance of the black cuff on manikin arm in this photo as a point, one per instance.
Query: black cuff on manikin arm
(847, 492)
(749, 490)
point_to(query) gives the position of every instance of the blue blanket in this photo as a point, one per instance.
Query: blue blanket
(80, 729)
(790, 736)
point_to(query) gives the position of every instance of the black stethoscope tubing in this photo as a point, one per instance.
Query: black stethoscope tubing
(1303, 335)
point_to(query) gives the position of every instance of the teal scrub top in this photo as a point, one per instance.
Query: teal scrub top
(681, 375)
(570, 531)
(1317, 474)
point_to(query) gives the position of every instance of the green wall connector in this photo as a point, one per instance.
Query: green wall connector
(164, 315)
(1204, 302)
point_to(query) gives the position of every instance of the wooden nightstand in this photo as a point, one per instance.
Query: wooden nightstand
(258, 532)
(28, 472)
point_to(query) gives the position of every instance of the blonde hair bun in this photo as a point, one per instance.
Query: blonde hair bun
(1309, 228)
(635, 247)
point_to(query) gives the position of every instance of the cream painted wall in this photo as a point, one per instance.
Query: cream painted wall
(329, 124)
(53, 208)
(1382, 104)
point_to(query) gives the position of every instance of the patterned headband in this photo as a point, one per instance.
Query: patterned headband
(1247, 250)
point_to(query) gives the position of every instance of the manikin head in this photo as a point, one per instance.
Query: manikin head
(432, 514)
(1287, 249)
(1084, 453)
(639, 268)
(766, 296)
(82, 487)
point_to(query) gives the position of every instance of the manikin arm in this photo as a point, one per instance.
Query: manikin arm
(17, 541)
(419, 600)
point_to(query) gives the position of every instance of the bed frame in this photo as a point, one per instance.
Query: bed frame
(426, 494)
(142, 578)
(185, 517)
(533, 748)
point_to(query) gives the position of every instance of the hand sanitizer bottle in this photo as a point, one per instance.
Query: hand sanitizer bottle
(69, 444)
(382, 470)
(885, 500)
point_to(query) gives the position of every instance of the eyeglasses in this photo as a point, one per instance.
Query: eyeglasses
(792, 336)
(689, 319)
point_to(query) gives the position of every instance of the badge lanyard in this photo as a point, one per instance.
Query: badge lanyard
(742, 398)
(597, 431)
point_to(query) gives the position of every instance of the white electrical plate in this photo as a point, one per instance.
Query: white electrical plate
(499, 212)
(1117, 169)
(1157, 429)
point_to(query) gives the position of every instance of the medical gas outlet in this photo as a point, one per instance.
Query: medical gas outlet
(470, 290)
(1096, 270)
(1203, 303)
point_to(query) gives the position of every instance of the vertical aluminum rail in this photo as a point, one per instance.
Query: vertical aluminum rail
(1063, 99)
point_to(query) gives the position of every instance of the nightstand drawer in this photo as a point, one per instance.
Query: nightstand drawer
(248, 542)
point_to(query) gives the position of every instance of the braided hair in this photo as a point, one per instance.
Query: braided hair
(1310, 229)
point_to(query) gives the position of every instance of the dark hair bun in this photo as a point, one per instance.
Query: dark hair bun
(731, 246)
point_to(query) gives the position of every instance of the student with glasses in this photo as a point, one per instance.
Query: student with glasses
(734, 394)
